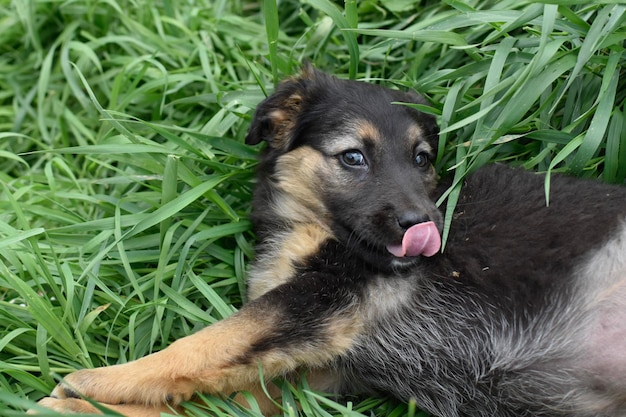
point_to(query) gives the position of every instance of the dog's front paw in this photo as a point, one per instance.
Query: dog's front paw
(78, 406)
(67, 406)
(100, 384)
(92, 383)
(131, 383)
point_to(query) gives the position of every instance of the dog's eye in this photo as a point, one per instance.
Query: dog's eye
(422, 159)
(353, 158)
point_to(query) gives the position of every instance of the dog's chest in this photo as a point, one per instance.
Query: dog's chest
(385, 296)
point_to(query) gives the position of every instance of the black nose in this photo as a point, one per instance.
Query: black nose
(411, 218)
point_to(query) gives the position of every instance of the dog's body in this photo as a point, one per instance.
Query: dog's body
(523, 314)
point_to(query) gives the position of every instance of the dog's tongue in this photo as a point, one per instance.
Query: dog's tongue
(419, 239)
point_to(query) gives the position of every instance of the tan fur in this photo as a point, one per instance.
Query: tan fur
(299, 200)
(366, 130)
(289, 247)
(415, 133)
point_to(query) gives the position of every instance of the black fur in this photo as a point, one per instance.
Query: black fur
(529, 243)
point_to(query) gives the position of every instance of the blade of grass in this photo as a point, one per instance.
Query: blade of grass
(342, 23)
(270, 13)
(600, 120)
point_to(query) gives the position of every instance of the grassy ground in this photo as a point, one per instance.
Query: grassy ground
(124, 184)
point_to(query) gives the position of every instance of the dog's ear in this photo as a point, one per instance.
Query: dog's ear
(275, 118)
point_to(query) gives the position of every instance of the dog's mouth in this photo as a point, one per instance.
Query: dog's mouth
(421, 239)
(404, 251)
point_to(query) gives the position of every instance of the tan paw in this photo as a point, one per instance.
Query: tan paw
(125, 384)
(67, 406)
(75, 406)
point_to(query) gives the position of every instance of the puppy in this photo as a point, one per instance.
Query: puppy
(523, 314)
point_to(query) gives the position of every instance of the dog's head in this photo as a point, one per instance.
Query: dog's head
(342, 155)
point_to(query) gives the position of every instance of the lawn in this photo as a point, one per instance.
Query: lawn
(125, 183)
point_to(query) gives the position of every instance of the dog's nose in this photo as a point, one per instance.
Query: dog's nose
(411, 218)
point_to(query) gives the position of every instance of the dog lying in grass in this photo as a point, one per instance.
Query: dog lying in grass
(523, 314)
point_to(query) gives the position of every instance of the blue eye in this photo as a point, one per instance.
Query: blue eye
(422, 159)
(353, 158)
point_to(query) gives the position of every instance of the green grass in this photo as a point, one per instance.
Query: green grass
(125, 186)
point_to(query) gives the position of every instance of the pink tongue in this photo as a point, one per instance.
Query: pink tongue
(420, 239)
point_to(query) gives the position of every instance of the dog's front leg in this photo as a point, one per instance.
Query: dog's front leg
(305, 323)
